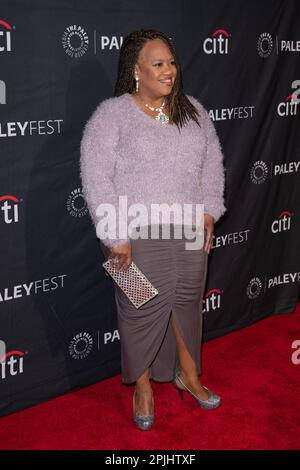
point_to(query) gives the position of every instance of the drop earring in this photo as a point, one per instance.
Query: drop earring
(136, 84)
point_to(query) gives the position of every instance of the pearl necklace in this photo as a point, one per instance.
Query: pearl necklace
(161, 117)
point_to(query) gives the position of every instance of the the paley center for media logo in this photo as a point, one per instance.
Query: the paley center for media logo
(265, 45)
(75, 41)
(76, 204)
(81, 345)
(259, 172)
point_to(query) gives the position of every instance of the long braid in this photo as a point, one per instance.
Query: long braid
(180, 108)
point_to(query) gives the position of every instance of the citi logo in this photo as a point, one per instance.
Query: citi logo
(218, 43)
(282, 222)
(5, 36)
(2, 92)
(212, 300)
(10, 207)
(11, 363)
(288, 107)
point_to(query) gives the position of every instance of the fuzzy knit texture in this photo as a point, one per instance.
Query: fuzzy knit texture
(125, 152)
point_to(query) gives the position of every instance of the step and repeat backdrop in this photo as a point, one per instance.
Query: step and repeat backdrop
(58, 61)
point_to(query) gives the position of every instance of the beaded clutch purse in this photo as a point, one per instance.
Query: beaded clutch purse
(133, 282)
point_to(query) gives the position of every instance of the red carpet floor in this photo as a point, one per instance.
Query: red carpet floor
(251, 369)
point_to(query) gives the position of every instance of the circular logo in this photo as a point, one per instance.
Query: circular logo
(265, 45)
(76, 204)
(254, 287)
(81, 346)
(75, 41)
(259, 172)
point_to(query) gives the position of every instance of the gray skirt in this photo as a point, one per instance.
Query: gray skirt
(146, 334)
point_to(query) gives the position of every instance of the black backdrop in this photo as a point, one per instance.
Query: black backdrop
(58, 60)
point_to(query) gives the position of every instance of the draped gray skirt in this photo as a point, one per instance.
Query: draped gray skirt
(146, 334)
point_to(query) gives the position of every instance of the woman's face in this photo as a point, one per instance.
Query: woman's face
(155, 69)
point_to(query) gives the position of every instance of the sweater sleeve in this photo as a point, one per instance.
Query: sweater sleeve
(98, 157)
(213, 172)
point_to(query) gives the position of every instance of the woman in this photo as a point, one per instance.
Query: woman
(154, 144)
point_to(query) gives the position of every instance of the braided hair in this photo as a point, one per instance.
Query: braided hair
(180, 108)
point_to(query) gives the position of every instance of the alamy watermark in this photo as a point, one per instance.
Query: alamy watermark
(128, 221)
(295, 358)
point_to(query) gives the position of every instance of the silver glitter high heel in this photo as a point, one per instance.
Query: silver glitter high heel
(143, 422)
(213, 401)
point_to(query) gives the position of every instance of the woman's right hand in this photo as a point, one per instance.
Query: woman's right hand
(122, 253)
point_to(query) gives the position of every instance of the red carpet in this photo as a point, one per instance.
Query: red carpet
(251, 369)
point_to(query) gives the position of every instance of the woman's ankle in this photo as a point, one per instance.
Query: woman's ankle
(144, 387)
(189, 376)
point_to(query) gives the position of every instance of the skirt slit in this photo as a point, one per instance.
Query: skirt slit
(147, 337)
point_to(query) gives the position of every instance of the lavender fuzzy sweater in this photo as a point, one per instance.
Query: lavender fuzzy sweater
(126, 152)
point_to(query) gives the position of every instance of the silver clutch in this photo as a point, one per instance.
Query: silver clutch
(133, 282)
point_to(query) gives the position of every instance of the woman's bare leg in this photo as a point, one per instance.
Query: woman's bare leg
(188, 369)
(143, 395)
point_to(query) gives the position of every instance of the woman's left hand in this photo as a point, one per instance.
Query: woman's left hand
(209, 224)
